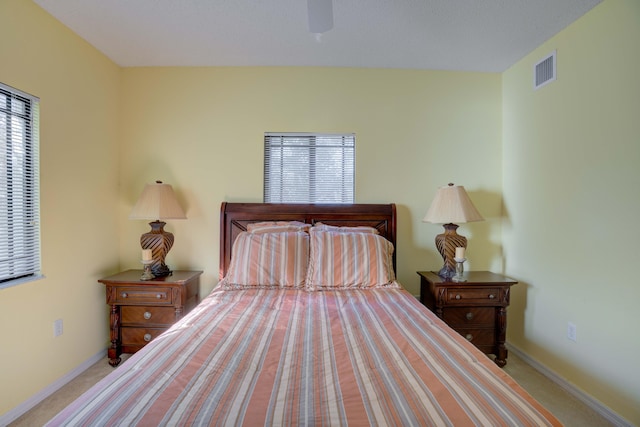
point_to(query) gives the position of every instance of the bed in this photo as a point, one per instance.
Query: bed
(307, 326)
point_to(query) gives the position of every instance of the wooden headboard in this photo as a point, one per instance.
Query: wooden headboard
(234, 218)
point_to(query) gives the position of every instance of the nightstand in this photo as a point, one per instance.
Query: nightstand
(142, 310)
(476, 309)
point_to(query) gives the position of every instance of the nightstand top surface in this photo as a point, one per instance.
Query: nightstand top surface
(473, 277)
(128, 276)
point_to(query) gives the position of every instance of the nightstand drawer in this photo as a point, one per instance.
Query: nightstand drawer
(139, 315)
(475, 316)
(140, 295)
(473, 296)
(477, 336)
(139, 336)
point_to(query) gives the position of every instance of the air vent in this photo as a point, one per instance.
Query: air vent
(544, 72)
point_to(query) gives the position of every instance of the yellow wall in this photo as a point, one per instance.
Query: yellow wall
(201, 130)
(79, 125)
(571, 190)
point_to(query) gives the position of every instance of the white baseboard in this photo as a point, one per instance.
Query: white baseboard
(592, 403)
(31, 402)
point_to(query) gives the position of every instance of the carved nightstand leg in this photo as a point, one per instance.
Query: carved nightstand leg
(114, 350)
(501, 350)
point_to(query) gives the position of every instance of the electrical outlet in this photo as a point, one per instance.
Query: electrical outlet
(57, 328)
(572, 331)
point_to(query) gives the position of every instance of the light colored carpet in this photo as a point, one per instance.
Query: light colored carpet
(569, 410)
(45, 410)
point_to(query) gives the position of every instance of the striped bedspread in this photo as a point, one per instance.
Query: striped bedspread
(297, 358)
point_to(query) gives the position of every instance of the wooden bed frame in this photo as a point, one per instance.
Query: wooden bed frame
(234, 218)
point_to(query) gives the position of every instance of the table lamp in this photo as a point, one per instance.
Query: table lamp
(451, 205)
(157, 202)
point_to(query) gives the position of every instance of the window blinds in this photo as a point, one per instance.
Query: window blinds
(309, 168)
(19, 182)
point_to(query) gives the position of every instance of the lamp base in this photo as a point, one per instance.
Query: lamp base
(161, 271)
(446, 272)
(447, 243)
(160, 242)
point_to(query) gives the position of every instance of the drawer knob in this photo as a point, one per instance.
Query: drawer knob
(492, 296)
(469, 316)
(159, 296)
(147, 337)
(458, 296)
(469, 337)
(147, 315)
(124, 295)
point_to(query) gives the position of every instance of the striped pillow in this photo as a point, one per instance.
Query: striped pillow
(277, 226)
(318, 226)
(269, 260)
(350, 260)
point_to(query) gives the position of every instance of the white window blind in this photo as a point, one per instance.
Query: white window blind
(309, 168)
(19, 186)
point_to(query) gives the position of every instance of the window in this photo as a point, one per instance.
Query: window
(19, 198)
(309, 168)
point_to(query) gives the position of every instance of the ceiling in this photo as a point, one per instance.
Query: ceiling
(464, 35)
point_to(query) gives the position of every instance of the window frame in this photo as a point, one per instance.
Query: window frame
(312, 147)
(20, 257)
